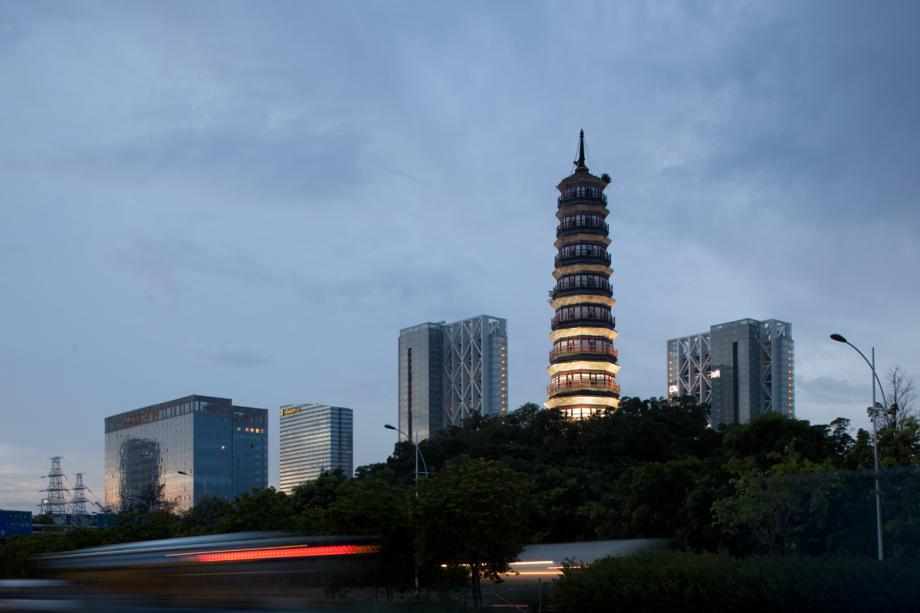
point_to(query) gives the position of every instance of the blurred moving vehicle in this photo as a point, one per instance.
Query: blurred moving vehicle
(226, 570)
(271, 570)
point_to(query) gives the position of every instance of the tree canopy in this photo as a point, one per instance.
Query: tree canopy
(776, 486)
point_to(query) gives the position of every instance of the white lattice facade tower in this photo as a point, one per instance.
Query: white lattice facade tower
(475, 368)
(449, 372)
(689, 367)
(583, 360)
(741, 369)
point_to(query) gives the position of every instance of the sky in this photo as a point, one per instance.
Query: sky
(250, 199)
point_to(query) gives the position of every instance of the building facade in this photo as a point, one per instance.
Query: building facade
(170, 455)
(583, 360)
(741, 369)
(449, 371)
(314, 438)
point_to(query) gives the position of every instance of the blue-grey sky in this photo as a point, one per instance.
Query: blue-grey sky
(250, 199)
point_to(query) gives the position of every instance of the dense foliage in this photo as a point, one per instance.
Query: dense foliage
(474, 514)
(653, 469)
(682, 581)
(776, 486)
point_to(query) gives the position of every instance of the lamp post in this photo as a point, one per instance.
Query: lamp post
(878, 490)
(418, 453)
(192, 477)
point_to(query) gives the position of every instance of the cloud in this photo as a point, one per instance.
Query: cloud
(20, 477)
(191, 192)
(240, 356)
(828, 391)
(168, 264)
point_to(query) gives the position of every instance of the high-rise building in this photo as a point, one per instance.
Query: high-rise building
(315, 438)
(742, 369)
(583, 360)
(170, 455)
(421, 380)
(449, 371)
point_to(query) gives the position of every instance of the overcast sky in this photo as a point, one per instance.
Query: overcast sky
(249, 200)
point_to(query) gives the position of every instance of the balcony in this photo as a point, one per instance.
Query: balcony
(595, 350)
(574, 387)
(588, 286)
(564, 259)
(600, 316)
(589, 194)
(587, 224)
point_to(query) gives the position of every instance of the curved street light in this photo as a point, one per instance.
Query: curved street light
(204, 483)
(418, 454)
(840, 339)
(874, 413)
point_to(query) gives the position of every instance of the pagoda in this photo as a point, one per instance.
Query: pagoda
(583, 361)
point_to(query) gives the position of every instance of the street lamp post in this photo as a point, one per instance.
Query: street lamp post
(418, 454)
(192, 477)
(878, 490)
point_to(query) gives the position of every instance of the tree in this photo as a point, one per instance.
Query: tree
(264, 509)
(472, 512)
(374, 507)
(901, 396)
(205, 516)
(650, 496)
(900, 446)
(780, 509)
(840, 433)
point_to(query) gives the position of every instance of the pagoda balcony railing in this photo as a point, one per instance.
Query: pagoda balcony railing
(602, 317)
(575, 196)
(586, 286)
(582, 386)
(562, 260)
(598, 349)
(583, 224)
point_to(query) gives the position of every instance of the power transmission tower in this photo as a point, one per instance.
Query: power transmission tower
(78, 502)
(54, 502)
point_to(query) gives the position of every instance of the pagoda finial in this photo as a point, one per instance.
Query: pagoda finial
(580, 162)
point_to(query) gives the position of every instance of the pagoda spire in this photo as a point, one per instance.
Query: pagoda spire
(580, 162)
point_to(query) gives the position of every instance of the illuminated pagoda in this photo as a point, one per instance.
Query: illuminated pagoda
(583, 360)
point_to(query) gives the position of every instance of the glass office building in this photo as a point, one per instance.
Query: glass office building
(421, 380)
(741, 369)
(449, 371)
(315, 438)
(170, 455)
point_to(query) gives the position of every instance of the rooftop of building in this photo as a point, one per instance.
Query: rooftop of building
(293, 409)
(444, 324)
(747, 321)
(194, 403)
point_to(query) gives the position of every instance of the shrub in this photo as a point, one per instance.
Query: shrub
(672, 581)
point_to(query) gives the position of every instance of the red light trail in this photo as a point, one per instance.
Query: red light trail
(272, 553)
